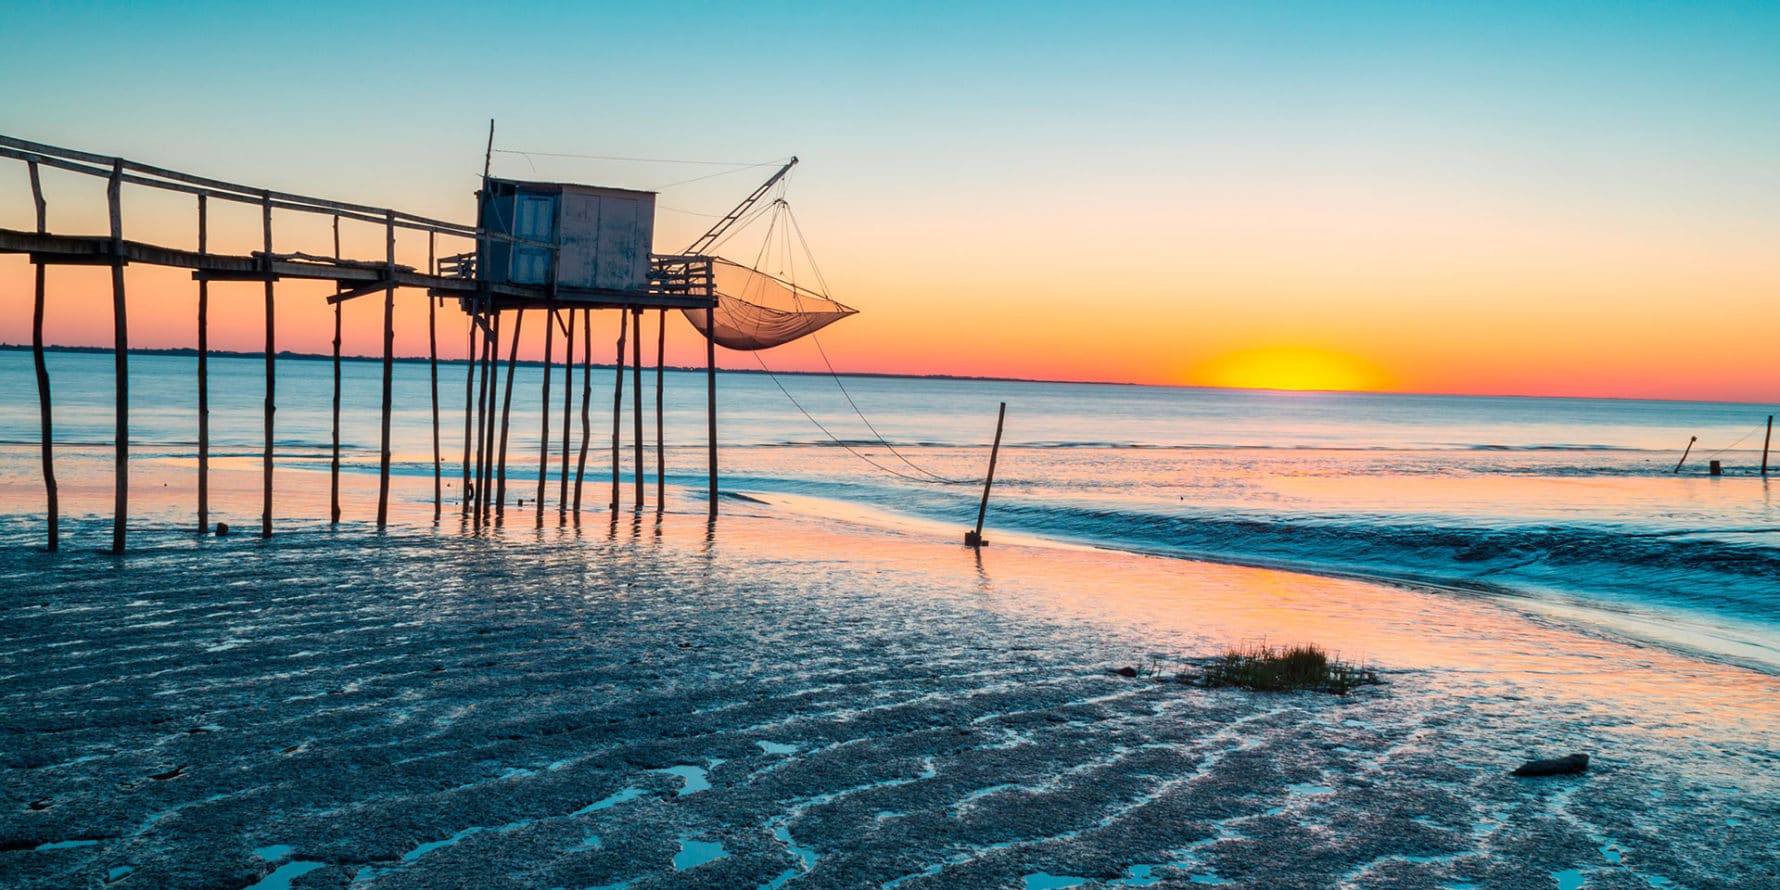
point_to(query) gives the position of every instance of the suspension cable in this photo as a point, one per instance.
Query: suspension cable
(823, 283)
(1758, 428)
(841, 442)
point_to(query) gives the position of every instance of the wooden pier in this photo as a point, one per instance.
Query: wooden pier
(660, 282)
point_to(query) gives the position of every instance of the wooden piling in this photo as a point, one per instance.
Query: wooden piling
(586, 400)
(480, 369)
(618, 403)
(1684, 454)
(1765, 442)
(636, 396)
(389, 345)
(271, 375)
(203, 373)
(334, 461)
(660, 402)
(121, 359)
(469, 391)
(44, 402)
(568, 402)
(544, 404)
(711, 405)
(500, 497)
(492, 373)
(432, 353)
(975, 539)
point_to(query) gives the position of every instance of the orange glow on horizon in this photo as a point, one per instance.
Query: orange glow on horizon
(1290, 368)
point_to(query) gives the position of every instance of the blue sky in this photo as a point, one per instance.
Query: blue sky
(951, 149)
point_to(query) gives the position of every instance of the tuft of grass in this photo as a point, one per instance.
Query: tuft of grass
(1266, 668)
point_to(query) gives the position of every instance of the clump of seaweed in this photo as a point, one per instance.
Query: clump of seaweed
(1265, 668)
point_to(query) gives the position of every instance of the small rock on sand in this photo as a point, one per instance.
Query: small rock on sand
(1557, 766)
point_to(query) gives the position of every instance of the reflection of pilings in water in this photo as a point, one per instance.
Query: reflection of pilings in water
(544, 405)
(334, 463)
(43, 393)
(121, 357)
(568, 401)
(500, 491)
(636, 380)
(389, 345)
(586, 397)
(660, 458)
(618, 405)
(203, 371)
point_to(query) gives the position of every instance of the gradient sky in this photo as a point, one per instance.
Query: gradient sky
(1494, 198)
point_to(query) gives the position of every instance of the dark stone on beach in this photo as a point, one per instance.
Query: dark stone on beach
(222, 529)
(1126, 672)
(1557, 766)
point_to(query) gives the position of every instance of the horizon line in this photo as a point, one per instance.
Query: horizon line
(232, 353)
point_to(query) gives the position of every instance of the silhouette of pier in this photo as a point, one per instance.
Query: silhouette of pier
(552, 248)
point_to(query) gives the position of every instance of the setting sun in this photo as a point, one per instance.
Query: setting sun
(1289, 367)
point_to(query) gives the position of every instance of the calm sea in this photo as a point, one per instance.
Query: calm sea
(1571, 507)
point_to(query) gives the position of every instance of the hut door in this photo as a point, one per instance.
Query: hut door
(534, 219)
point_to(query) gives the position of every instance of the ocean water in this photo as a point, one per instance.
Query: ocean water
(1571, 508)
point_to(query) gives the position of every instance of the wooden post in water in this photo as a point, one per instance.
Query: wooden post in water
(469, 390)
(1765, 442)
(271, 379)
(500, 495)
(544, 405)
(636, 385)
(1684, 454)
(334, 462)
(121, 358)
(586, 400)
(660, 452)
(479, 368)
(43, 392)
(618, 402)
(203, 372)
(711, 403)
(975, 539)
(432, 353)
(389, 346)
(492, 373)
(568, 404)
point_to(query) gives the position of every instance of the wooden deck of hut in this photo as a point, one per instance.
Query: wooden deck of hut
(556, 266)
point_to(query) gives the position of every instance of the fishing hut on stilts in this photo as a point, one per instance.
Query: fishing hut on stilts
(553, 251)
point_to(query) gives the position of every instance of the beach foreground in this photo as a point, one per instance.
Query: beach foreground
(808, 701)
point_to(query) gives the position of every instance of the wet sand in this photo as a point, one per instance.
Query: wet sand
(815, 700)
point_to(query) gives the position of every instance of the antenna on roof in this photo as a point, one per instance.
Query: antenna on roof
(488, 156)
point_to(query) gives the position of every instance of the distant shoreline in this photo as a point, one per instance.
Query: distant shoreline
(317, 356)
(529, 363)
